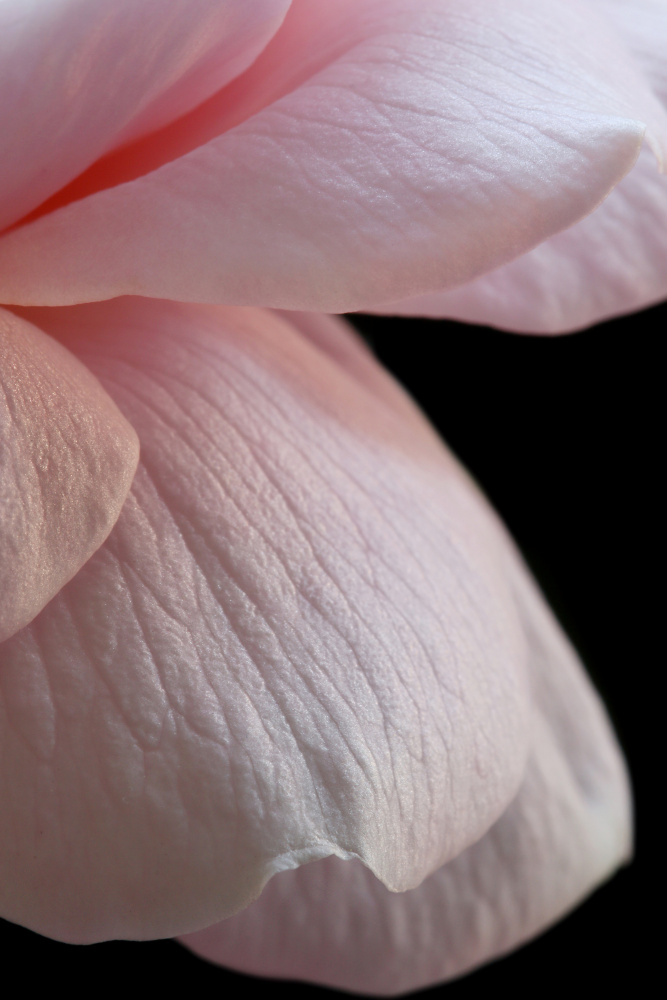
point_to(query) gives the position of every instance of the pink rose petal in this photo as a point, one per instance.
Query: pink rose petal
(439, 140)
(78, 78)
(333, 923)
(346, 347)
(612, 262)
(299, 640)
(67, 458)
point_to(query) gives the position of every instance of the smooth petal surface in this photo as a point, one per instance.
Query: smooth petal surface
(612, 262)
(67, 457)
(78, 78)
(643, 26)
(426, 144)
(299, 640)
(347, 348)
(333, 923)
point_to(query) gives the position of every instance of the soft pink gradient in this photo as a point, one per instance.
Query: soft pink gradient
(80, 78)
(67, 458)
(376, 150)
(333, 923)
(612, 262)
(299, 636)
(300, 625)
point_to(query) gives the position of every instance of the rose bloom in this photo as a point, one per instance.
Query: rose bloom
(273, 676)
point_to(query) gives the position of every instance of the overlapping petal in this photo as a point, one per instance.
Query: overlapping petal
(299, 640)
(612, 262)
(416, 147)
(79, 78)
(307, 635)
(67, 457)
(334, 923)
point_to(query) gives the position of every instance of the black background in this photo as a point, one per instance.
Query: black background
(561, 434)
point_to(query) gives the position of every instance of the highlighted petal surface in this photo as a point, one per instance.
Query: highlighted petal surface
(436, 141)
(612, 262)
(79, 78)
(299, 640)
(333, 923)
(67, 457)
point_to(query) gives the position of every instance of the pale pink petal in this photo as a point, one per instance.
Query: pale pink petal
(81, 77)
(333, 923)
(347, 348)
(299, 640)
(643, 26)
(440, 140)
(612, 262)
(67, 457)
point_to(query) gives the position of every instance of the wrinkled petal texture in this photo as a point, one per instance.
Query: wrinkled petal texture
(612, 262)
(67, 457)
(333, 923)
(405, 148)
(299, 640)
(79, 78)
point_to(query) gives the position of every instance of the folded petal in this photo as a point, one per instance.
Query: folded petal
(346, 347)
(612, 262)
(299, 640)
(333, 923)
(419, 146)
(78, 78)
(67, 457)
